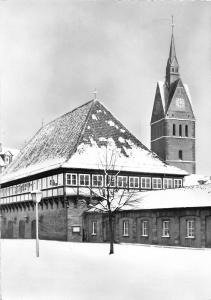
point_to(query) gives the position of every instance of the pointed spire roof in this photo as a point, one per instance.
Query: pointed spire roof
(172, 68)
(172, 51)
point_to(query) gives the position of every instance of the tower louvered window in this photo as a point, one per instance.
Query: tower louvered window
(174, 129)
(186, 130)
(180, 130)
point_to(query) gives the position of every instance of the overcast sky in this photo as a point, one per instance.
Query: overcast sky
(54, 53)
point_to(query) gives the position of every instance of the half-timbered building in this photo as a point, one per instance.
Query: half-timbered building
(66, 160)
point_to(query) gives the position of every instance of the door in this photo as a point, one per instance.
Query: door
(208, 232)
(33, 229)
(21, 229)
(10, 230)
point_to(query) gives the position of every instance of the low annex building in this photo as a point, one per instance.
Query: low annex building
(179, 217)
(65, 160)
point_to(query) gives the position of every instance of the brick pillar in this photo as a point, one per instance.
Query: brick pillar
(154, 230)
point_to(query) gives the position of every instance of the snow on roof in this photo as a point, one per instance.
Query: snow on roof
(80, 139)
(196, 179)
(199, 196)
(13, 151)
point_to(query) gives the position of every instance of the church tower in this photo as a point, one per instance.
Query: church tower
(173, 121)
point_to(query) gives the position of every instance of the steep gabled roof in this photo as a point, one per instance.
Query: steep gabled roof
(79, 139)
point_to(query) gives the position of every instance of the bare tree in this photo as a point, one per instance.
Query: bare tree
(110, 197)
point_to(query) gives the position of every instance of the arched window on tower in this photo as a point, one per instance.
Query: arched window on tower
(180, 154)
(174, 129)
(180, 130)
(186, 130)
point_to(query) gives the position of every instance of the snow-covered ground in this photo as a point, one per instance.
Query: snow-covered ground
(81, 271)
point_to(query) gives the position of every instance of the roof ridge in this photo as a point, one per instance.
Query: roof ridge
(71, 111)
(82, 128)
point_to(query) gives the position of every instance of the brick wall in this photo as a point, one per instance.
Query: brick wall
(177, 231)
(18, 221)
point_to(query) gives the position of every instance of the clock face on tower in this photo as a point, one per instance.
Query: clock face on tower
(180, 103)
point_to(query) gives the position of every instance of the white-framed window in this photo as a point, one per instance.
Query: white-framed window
(134, 182)
(84, 179)
(122, 181)
(94, 228)
(60, 179)
(168, 183)
(190, 227)
(145, 228)
(71, 179)
(111, 180)
(165, 228)
(145, 182)
(177, 183)
(126, 228)
(156, 183)
(54, 180)
(97, 180)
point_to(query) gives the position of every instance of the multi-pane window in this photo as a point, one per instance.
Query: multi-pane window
(111, 180)
(94, 228)
(177, 183)
(168, 183)
(97, 180)
(156, 183)
(145, 228)
(126, 228)
(133, 182)
(190, 225)
(165, 228)
(122, 181)
(71, 179)
(84, 179)
(145, 182)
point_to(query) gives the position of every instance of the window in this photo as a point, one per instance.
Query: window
(168, 183)
(94, 228)
(174, 129)
(145, 228)
(125, 228)
(134, 182)
(84, 179)
(122, 181)
(186, 130)
(190, 225)
(71, 179)
(180, 130)
(97, 180)
(156, 183)
(145, 182)
(165, 231)
(180, 154)
(177, 183)
(111, 180)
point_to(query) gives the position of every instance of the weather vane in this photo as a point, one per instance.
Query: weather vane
(95, 94)
(172, 23)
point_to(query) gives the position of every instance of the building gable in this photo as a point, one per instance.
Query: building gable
(179, 103)
(158, 107)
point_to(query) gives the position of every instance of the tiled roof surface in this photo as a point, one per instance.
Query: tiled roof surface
(78, 139)
(55, 140)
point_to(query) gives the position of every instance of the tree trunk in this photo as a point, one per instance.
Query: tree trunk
(110, 220)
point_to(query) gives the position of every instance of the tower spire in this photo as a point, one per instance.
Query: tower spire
(172, 68)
